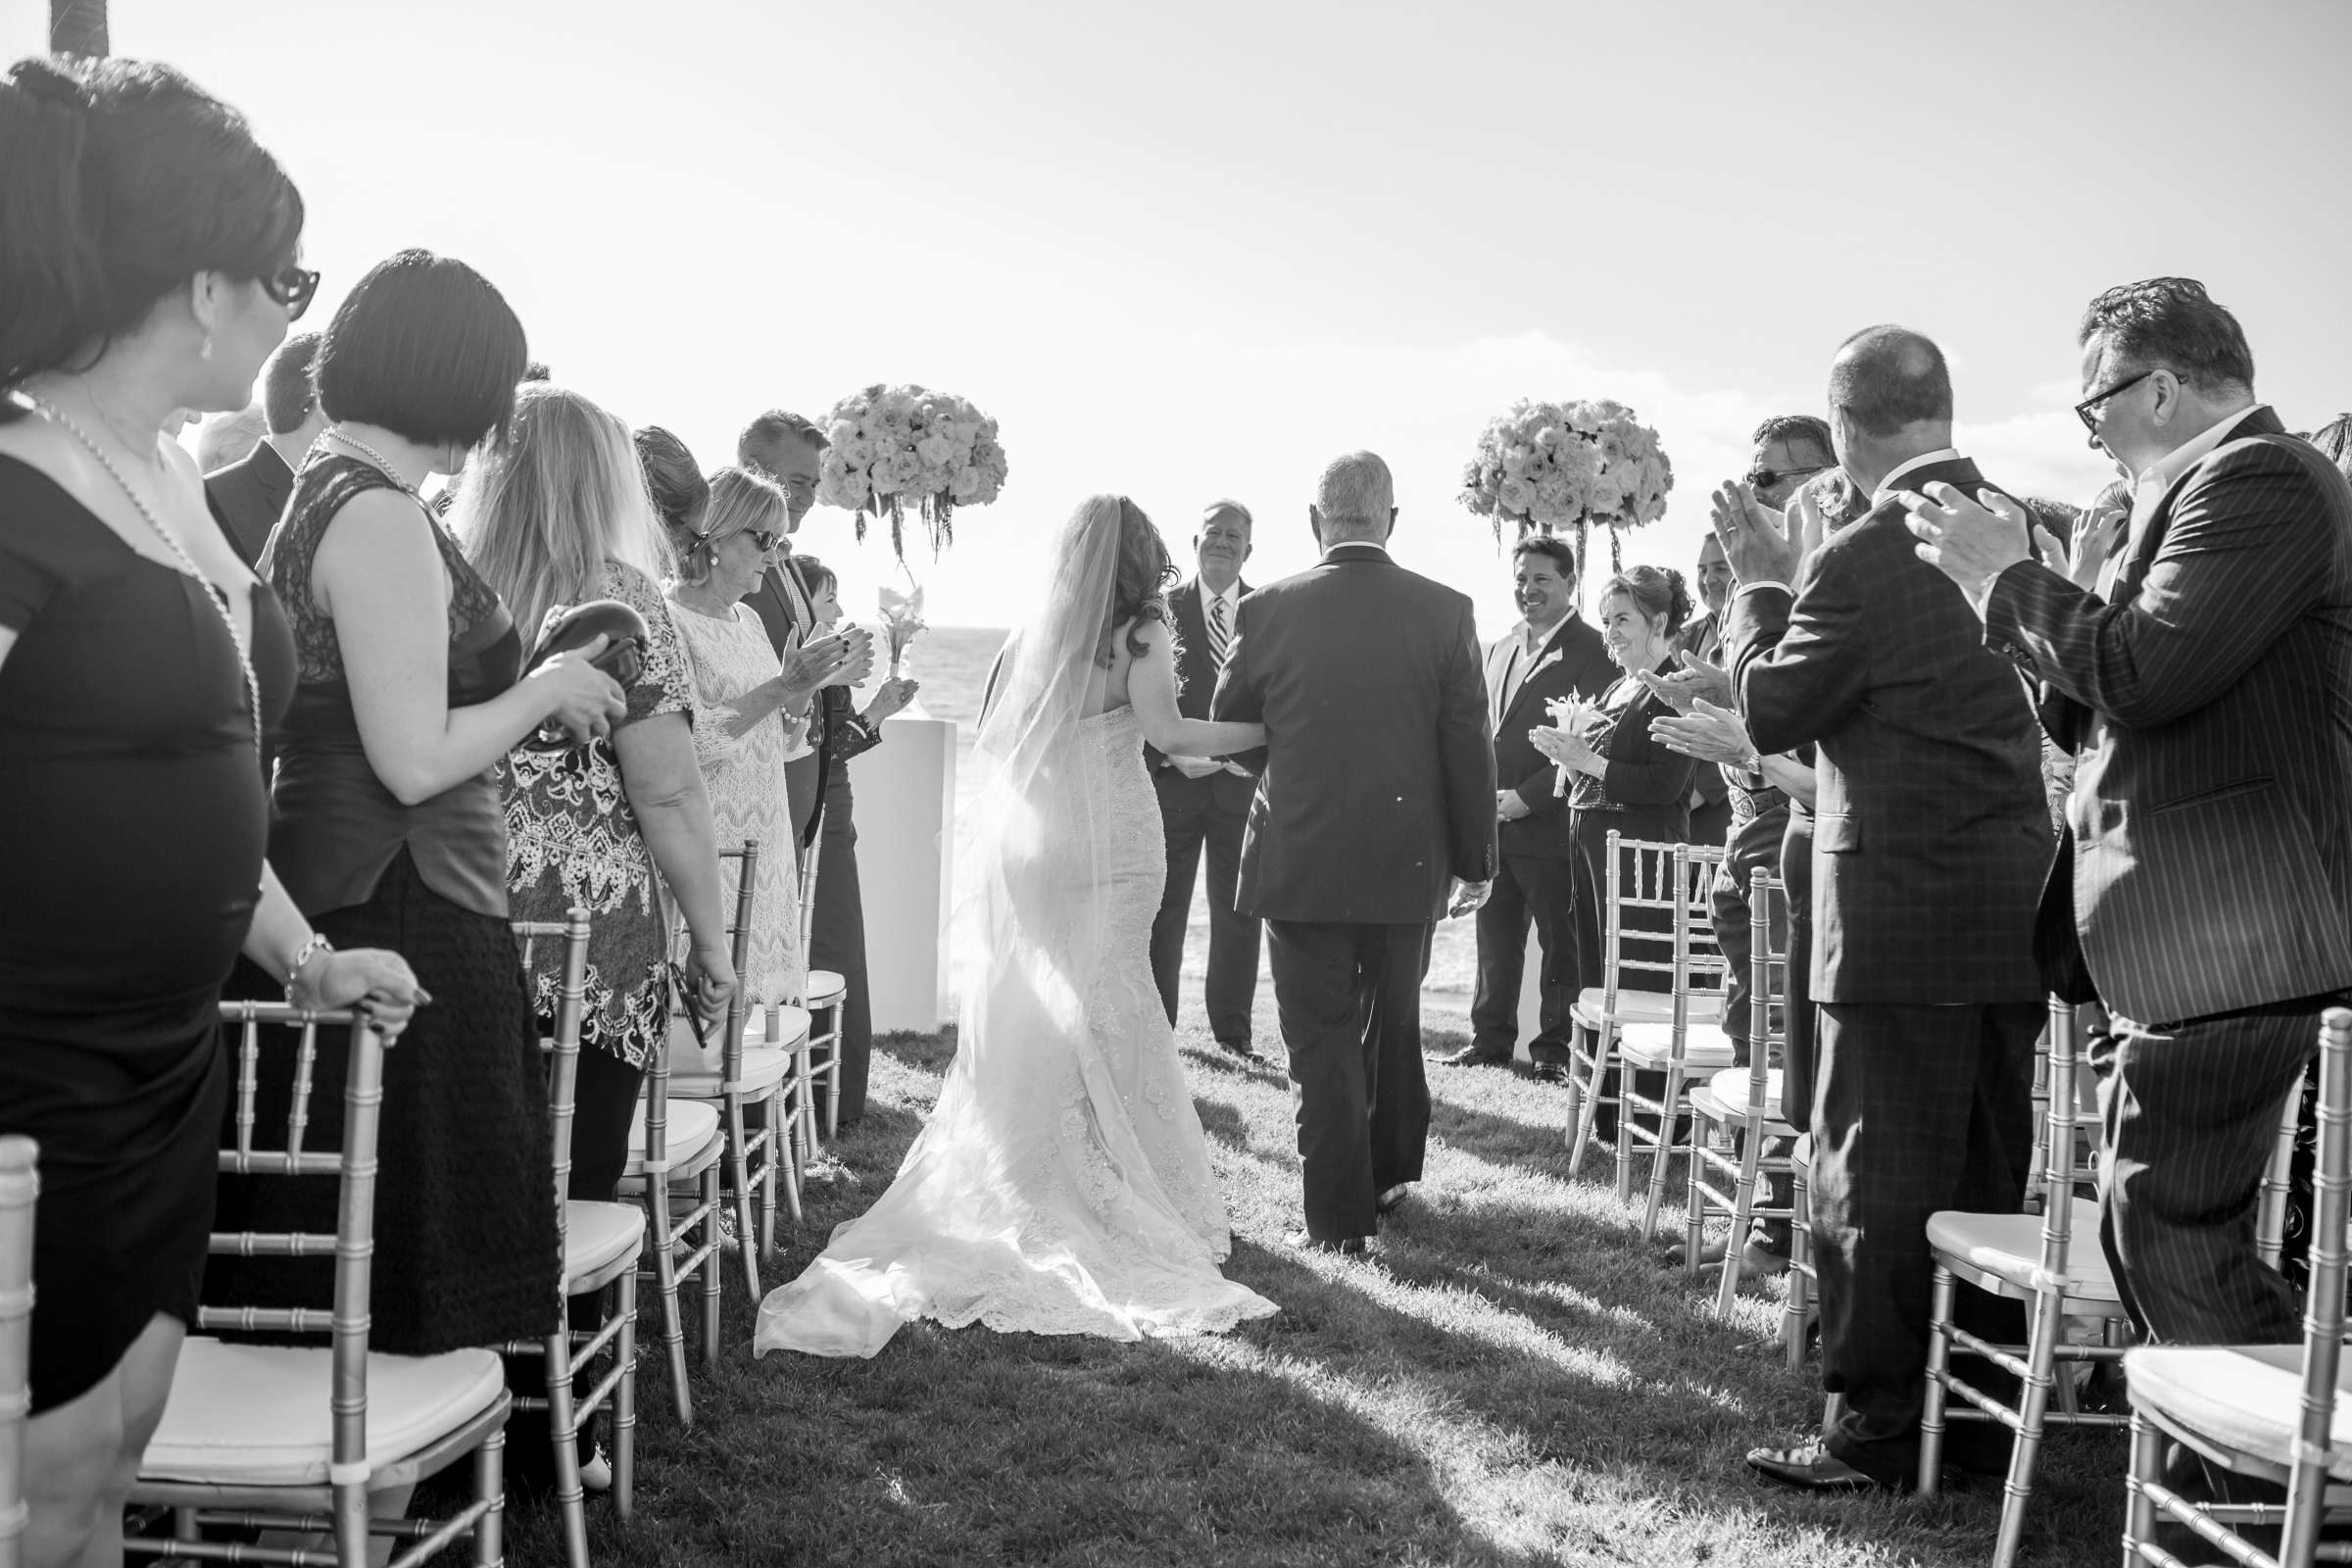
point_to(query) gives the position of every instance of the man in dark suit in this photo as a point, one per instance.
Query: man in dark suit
(1930, 841)
(785, 447)
(2204, 673)
(248, 496)
(1552, 654)
(1377, 797)
(1204, 801)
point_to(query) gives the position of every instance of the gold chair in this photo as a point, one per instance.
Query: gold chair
(749, 1076)
(1680, 1048)
(297, 1437)
(676, 1150)
(1744, 1102)
(603, 1246)
(2036, 1260)
(19, 1191)
(1804, 1278)
(1602, 1011)
(2264, 1410)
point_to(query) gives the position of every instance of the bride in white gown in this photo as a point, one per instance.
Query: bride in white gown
(1063, 1183)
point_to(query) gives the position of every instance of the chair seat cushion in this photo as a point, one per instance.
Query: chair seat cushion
(2246, 1398)
(762, 1069)
(597, 1236)
(692, 1127)
(1705, 1047)
(824, 988)
(257, 1415)
(1730, 1089)
(1646, 1007)
(2009, 1247)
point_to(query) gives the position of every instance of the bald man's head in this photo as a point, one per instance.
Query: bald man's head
(1886, 379)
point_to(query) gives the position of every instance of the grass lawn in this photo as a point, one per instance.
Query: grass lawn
(1508, 1378)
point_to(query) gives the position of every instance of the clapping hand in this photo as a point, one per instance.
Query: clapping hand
(1569, 750)
(891, 698)
(1971, 542)
(1709, 732)
(2094, 542)
(1755, 539)
(1700, 677)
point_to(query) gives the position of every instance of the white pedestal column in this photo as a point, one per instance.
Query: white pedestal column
(905, 869)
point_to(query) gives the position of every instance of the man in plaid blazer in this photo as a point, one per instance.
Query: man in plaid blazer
(1931, 840)
(2204, 672)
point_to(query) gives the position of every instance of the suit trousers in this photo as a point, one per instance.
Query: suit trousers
(1349, 1000)
(1195, 820)
(802, 785)
(837, 941)
(2190, 1112)
(1916, 1109)
(1526, 888)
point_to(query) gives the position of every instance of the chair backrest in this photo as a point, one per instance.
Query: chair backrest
(1767, 988)
(808, 857)
(2278, 1176)
(564, 1047)
(2061, 1045)
(2324, 1301)
(1677, 879)
(19, 1191)
(739, 954)
(352, 1243)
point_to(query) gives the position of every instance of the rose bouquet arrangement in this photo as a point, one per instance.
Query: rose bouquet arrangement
(896, 450)
(1553, 466)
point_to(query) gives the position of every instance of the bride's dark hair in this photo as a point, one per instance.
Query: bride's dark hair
(1138, 587)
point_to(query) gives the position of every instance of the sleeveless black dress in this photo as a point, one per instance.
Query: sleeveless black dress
(131, 862)
(466, 1248)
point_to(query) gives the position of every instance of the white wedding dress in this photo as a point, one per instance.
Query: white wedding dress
(1063, 1183)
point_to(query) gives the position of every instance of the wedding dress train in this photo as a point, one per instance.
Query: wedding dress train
(1063, 1183)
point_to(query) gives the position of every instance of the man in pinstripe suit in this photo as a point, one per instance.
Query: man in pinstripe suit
(1930, 841)
(2206, 678)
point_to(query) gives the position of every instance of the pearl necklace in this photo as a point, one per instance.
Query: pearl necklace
(213, 594)
(378, 460)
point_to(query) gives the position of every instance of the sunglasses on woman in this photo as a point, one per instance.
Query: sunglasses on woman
(1766, 479)
(292, 287)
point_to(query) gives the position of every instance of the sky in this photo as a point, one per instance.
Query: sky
(1195, 250)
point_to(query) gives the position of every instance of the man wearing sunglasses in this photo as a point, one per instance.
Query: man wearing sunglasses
(2208, 688)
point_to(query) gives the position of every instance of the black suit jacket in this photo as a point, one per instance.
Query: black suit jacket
(1196, 686)
(2211, 819)
(248, 496)
(1930, 832)
(1379, 776)
(1573, 662)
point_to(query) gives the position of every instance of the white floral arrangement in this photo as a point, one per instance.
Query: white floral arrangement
(1552, 468)
(899, 448)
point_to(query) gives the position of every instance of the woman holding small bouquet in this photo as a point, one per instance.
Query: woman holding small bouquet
(838, 938)
(1618, 777)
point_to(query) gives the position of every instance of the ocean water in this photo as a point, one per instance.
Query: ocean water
(951, 663)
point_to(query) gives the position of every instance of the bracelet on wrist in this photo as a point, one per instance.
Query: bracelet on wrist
(316, 945)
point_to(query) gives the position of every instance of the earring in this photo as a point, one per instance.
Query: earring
(206, 351)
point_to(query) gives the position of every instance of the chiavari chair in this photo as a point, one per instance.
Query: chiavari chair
(1744, 1102)
(823, 996)
(2278, 1413)
(298, 1438)
(675, 1150)
(1640, 876)
(602, 1244)
(1682, 1049)
(20, 1191)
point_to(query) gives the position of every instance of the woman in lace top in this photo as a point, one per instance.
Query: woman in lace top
(557, 515)
(746, 705)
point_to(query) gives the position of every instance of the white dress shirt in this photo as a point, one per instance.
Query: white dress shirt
(2157, 479)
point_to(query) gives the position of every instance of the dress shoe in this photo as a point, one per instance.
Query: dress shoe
(1472, 1057)
(1812, 1468)
(1395, 1197)
(1549, 1072)
(1241, 1049)
(1300, 1242)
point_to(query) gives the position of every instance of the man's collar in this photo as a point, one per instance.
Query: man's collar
(1889, 485)
(1232, 592)
(264, 444)
(2168, 470)
(1359, 550)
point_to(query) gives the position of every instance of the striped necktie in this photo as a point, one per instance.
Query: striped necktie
(1220, 635)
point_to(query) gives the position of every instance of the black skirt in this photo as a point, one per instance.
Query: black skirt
(466, 1248)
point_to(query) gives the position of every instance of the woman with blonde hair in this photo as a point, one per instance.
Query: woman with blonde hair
(746, 707)
(554, 516)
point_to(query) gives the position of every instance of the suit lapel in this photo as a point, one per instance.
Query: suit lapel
(2142, 552)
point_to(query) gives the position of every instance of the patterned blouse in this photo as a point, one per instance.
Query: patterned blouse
(572, 838)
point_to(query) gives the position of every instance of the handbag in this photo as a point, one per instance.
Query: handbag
(566, 629)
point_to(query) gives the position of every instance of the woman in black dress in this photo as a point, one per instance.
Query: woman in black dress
(385, 818)
(146, 263)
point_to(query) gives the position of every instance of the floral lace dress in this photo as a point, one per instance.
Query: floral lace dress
(729, 655)
(571, 839)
